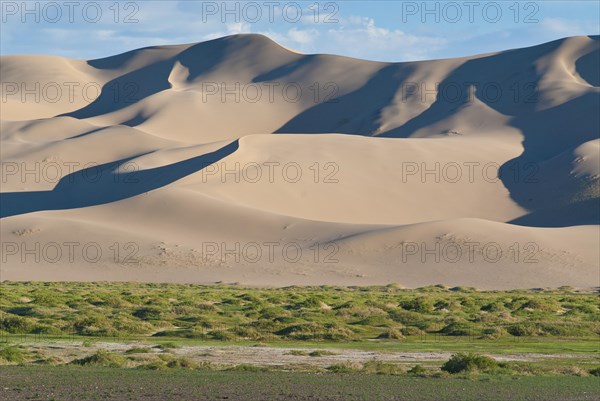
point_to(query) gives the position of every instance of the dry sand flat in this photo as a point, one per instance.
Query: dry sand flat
(200, 163)
(291, 358)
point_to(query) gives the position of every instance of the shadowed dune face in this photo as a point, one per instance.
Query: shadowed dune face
(416, 151)
(106, 183)
(588, 66)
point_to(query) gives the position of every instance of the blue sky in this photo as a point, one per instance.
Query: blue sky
(378, 30)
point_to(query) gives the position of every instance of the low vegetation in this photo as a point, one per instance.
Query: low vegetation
(102, 358)
(11, 354)
(331, 314)
(470, 362)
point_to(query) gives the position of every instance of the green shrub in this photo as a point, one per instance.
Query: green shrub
(338, 334)
(148, 313)
(138, 350)
(24, 311)
(419, 304)
(206, 307)
(310, 302)
(418, 370)
(297, 352)
(595, 371)
(181, 333)
(376, 321)
(131, 326)
(247, 368)
(458, 329)
(409, 318)
(463, 289)
(563, 330)
(493, 307)
(182, 363)
(441, 304)
(382, 368)
(360, 311)
(45, 297)
(493, 333)
(94, 325)
(304, 331)
(469, 363)
(221, 335)
(545, 305)
(165, 357)
(16, 324)
(273, 312)
(321, 352)
(316, 331)
(12, 355)
(411, 331)
(166, 346)
(346, 367)
(45, 329)
(102, 358)
(523, 329)
(156, 365)
(392, 334)
(248, 332)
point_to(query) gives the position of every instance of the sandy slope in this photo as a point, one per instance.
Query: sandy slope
(492, 181)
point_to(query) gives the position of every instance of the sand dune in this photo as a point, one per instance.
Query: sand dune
(201, 163)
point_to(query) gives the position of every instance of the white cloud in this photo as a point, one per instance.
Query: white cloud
(303, 37)
(361, 37)
(238, 27)
(563, 27)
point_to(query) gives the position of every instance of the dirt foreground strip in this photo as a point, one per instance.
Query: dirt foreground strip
(74, 384)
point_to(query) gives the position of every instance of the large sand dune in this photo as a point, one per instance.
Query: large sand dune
(201, 163)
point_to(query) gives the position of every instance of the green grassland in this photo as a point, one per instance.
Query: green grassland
(562, 324)
(128, 341)
(327, 314)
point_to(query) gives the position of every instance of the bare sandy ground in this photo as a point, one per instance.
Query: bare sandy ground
(293, 358)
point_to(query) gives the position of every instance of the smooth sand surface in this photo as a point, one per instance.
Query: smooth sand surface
(238, 160)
